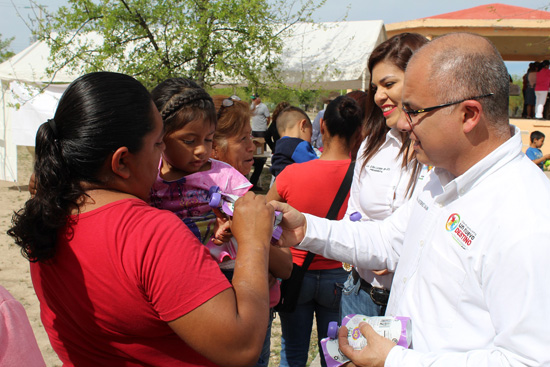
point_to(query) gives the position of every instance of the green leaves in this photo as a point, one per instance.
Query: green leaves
(4, 44)
(211, 41)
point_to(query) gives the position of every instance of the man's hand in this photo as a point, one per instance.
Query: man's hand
(374, 354)
(293, 224)
(381, 272)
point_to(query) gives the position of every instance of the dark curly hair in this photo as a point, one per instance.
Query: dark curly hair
(97, 114)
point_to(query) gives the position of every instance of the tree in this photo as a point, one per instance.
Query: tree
(4, 44)
(206, 40)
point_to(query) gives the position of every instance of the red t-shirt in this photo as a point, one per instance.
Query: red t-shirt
(543, 80)
(311, 187)
(124, 271)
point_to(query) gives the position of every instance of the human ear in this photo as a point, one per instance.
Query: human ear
(303, 124)
(119, 162)
(322, 126)
(219, 150)
(471, 115)
(214, 152)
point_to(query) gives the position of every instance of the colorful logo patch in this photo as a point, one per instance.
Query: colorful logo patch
(452, 222)
(460, 231)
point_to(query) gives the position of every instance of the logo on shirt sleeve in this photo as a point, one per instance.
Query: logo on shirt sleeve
(461, 232)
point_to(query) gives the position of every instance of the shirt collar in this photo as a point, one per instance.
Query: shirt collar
(456, 186)
(394, 135)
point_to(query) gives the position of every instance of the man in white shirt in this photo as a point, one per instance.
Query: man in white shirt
(260, 116)
(470, 252)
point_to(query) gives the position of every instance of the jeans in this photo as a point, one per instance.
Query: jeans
(540, 96)
(320, 294)
(258, 168)
(258, 162)
(357, 301)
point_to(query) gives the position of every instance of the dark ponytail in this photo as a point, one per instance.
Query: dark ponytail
(343, 118)
(98, 113)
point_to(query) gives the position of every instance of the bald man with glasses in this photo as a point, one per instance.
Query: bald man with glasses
(470, 252)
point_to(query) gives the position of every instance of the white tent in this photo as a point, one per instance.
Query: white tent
(28, 98)
(330, 55)
(315, 56)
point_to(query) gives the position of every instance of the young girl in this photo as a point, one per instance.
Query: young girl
(186, 170)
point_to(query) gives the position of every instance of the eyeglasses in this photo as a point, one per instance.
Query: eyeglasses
(228, 102)
(411, 113)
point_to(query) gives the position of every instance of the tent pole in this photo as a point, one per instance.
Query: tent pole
(5, 140)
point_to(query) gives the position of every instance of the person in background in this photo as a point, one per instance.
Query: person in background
(233, 145)
(294, 146)
(525, 82)
(260, 116)
(529, 82)
(316, 136)
(232, 142)
(272, 134)
(361, 98)
(463, 246)
(260, 120)
(386, 170)
(533, 152)
(89, 224)
(312, 187)
(18, 345)
(541, 88)
(530, 98)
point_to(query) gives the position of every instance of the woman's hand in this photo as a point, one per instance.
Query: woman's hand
(238, 316)
(294, 225)
(32, 185)
(222, 228)
(252, 220)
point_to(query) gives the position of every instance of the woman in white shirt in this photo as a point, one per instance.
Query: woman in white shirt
(386, 171)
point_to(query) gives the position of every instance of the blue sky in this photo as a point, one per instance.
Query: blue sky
(14, 12)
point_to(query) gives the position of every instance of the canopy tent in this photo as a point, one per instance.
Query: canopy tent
(28, 97)
(330, 55)
(315, 56)
(520, 34)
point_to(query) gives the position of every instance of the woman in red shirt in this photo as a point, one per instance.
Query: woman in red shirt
(121, 283)
(311, 188)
